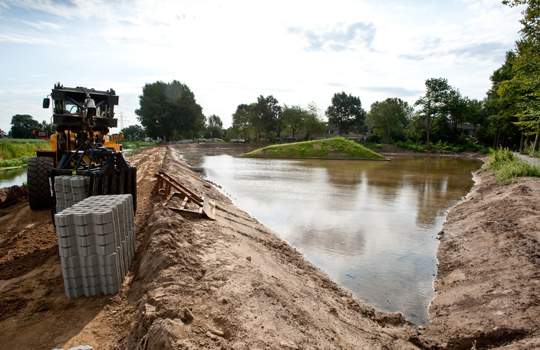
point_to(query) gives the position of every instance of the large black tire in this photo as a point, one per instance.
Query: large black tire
(39, 193)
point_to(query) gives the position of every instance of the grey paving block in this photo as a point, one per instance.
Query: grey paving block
(74, 292)
(70, 262)
(91, 281)
(88, 250)
(107, 280)
(91, 260)
(83, 218)
(105, 239)
(85, 241)
(67, 252)
(66, 242)
(63, 219)
(104, 229)
(101, 217)
(73, 282)
(91, 290)
(65, 231)
(105, 249)
(71, 272)
(89, 271)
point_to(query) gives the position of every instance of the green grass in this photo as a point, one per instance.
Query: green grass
(506, 166)
(136, 145)
(339, 148)
(15, 152)
(442, 147)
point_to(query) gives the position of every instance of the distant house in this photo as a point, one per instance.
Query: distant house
(467, 128)
(353, 134)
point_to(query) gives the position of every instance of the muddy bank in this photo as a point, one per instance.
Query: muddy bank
(488, 280)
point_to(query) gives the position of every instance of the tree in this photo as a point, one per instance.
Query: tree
(433, 102)
(2, 133)
(502, 107)
(313, 123)
(268, 114)
(133, 133)
(345, 111)
(294, 118)
(165, 107)
(524, 86)
(389, 116)
(22, 126)
(214, 128)
(242, 119)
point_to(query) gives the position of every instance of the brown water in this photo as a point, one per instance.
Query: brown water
(370, 225)
(12, 177)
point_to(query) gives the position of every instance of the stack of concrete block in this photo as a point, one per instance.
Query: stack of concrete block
(70, 190)
(96, 238)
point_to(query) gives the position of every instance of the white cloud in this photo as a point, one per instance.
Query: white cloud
(43, 25)
(23, 39)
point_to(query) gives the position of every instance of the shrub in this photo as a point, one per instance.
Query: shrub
(507, 166)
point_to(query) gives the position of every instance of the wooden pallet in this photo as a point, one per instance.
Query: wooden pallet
(164, 186)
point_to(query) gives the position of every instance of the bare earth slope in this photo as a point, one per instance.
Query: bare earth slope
(488, 281)
(34, 310)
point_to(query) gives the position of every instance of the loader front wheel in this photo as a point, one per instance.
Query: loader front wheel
(39, 194)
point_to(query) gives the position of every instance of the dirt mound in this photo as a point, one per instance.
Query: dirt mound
(10, 195)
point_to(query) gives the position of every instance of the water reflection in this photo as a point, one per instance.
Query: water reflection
(12, 177)
(370, 225)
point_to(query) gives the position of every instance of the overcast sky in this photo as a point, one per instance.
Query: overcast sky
(230, 52)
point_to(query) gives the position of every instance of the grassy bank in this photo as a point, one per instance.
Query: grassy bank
(506, 166)
(15, 152)
(336, 148)
(135, 145)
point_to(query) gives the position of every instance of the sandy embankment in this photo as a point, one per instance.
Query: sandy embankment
(488, 279)
(233, 284)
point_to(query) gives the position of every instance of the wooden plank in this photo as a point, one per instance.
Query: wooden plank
(209, 209)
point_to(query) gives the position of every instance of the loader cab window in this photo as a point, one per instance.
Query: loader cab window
(70, 108)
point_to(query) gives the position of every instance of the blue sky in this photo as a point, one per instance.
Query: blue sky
(229, 53)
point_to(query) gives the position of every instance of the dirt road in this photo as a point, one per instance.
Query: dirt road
(233, 284)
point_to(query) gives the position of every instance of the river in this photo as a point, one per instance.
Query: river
(371, 225)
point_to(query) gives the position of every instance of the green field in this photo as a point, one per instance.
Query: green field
(15, 152)
(334, 148)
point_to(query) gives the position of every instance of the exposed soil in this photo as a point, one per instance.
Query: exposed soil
(488, 280)
(233, 284)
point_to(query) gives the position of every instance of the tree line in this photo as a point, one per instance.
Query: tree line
(509, 115)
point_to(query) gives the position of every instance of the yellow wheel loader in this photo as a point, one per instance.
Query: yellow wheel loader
(81, 145)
